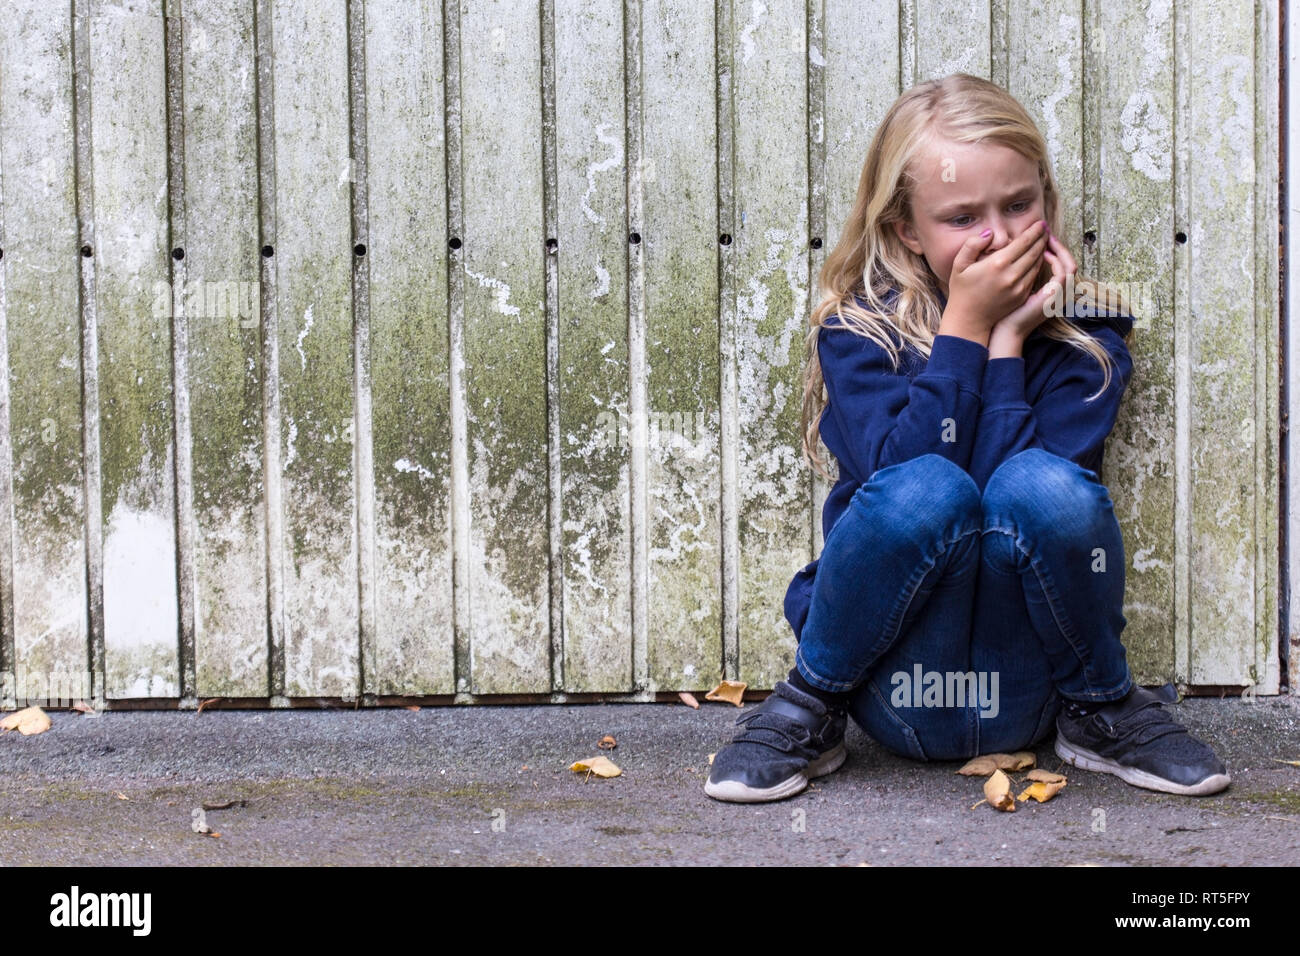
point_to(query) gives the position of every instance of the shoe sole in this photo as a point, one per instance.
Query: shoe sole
(736, 792)
(1088, 760)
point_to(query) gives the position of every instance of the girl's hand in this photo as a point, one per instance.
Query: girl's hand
(1036, 309)
(981, 290)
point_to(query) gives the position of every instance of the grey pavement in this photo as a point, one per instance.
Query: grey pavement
(491, 785)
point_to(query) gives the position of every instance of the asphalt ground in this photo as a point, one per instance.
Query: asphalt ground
(491, 785)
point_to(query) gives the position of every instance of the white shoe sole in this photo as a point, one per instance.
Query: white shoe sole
(736, 792)
(1088, 760)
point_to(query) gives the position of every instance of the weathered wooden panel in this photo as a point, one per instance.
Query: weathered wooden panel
(771, 314)
(407, 258)
(939, 37)
(680, 82)
(592, 369)
(1130, 208)
(1232, 359)
(853, 101)
(505, 347)
(129, 173)
(220, 307)
(313, 251)
(43, 338)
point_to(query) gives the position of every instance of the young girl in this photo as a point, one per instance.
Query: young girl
(969, 594)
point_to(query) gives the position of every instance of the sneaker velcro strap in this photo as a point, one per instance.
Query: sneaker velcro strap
(1145, 725)
(765, 730)
(780, 705)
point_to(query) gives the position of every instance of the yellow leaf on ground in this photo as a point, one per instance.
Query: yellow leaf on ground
(607, 742)
(732, 691)
(29, 720)
(1017, 761)
(984, 765)
(997, 790)
(600, 766)
(1042, 791)
(688, 699)
(1046, 776)
(711, 756)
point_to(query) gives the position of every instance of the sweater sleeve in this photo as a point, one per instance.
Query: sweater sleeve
(1060, 422)
(877, 417)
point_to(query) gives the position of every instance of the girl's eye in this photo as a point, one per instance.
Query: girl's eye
(1023, 203)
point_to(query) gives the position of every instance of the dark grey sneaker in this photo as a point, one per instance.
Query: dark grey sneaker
(1137, 741)
(786, 741)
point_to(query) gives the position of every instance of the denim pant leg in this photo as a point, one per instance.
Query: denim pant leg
(1051, 523)
(895, 587)
(880, 563)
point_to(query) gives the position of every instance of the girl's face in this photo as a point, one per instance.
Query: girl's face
(963, 189)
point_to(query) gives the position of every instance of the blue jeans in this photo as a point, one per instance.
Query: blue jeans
(960, 620)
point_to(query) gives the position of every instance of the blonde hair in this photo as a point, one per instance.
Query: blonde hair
(870, 260)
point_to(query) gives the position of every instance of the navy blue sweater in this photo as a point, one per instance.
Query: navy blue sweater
(877, 417)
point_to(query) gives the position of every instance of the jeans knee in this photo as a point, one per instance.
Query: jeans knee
(926, 485)
(1049, 498)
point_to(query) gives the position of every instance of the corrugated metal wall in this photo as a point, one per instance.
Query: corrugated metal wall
(397, 348)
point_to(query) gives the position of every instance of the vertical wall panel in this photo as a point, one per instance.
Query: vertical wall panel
(853, 103)
(407, 258)
(1219, 144)
(678, 103)
(945, 36)
(221, 308)
(135, 400)
(313, 252)
(505, 347)
(44, 345)
(771, 130)
(1131, 207)
(595, 437)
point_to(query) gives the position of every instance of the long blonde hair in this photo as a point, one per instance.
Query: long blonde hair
(870, 261)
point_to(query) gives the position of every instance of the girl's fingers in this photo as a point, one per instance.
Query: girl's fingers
(1064, 252)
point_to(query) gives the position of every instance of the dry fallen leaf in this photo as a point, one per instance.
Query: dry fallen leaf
(1041, 791)
(688, 699)
(210, 700)
(1046, 776)
(1289, 763)
(120, 795)
(607, 742)
(997, 790)
(732, 691)
(29, 720)
(412, 706)
(984, 765)
(711, 756)
(82, 706)
(600, 766)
